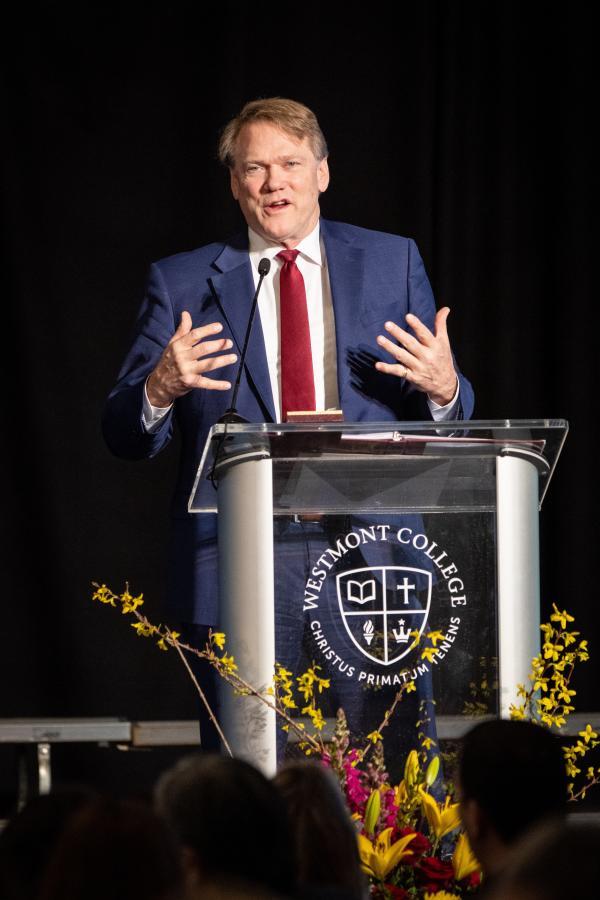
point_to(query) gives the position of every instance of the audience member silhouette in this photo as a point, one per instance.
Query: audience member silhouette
(511, 777)
(325, 845)
(114, 849)
(557, 861)
(29, 838)
(231, 825)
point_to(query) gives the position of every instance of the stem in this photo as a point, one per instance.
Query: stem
(175, 643)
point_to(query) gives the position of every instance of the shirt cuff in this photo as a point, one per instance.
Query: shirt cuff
(441, 413)
(152, 416)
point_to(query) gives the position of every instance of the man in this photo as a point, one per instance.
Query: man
(511, 777)
(368, 329)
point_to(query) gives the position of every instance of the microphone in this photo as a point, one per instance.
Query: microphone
(231, 415)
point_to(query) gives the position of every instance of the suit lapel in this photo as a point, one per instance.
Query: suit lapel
(233, 287)
(346, 265)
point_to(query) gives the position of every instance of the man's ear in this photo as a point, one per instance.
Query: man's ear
(234, 184)
(474, 819)
(323, 175)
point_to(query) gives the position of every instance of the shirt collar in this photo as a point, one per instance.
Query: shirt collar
(309, 247)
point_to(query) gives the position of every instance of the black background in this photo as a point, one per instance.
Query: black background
(467, 126)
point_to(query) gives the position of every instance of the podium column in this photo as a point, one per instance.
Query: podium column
(518, 567)
(246, 589)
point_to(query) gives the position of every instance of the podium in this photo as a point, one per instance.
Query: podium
(424, 528)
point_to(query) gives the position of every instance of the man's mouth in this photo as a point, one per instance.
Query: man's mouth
(278, 204)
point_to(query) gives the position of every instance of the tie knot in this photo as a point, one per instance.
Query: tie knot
(288, 256)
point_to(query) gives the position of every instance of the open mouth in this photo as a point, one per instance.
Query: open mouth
(278, 204)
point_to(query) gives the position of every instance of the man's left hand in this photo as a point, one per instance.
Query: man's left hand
(424, 359)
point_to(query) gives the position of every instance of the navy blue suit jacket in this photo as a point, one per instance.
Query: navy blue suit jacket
(374, 277)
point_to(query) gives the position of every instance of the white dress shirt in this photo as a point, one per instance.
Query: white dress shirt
(312, 263)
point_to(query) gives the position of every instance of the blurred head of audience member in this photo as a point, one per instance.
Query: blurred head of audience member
(511, 777)
(555, 861)
(29, 838)
(327, 860)
(114, 849)
(231, 825)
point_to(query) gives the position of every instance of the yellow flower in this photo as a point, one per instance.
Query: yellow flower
(435, 637)
(588, 734)
(441, 895)
(411, 768)
(104, 595)
(378, 858)
(228, 664)
(375, 736)
(441, 819)
(144, 629)
(316, 717)
(218, 638)
(130, 603)
(464, 861)
(400, 794)
(411, 686)
(562, 617)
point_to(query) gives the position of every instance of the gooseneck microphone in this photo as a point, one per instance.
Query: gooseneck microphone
(231, 415)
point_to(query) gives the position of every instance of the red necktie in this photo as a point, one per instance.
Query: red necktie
(297, 377)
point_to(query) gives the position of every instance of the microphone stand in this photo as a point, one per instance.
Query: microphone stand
(231, 415)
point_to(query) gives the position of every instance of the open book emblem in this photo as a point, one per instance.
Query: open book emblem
(384, 609)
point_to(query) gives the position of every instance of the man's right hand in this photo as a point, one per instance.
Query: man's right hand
(183, 365)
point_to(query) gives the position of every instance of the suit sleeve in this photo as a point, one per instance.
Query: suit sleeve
(422, 304)
(122, 424)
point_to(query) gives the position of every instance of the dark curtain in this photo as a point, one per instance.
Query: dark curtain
(467, 126)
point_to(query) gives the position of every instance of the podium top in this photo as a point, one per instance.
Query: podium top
(372, 467)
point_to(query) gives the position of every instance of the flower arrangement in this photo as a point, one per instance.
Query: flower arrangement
(410, 839)
(410, 843)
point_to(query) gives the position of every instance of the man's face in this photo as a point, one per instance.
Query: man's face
(277, 180)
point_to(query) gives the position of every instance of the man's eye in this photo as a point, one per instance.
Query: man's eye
(291, 163)
(251, 169)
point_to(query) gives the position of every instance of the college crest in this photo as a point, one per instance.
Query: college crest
(384, 609)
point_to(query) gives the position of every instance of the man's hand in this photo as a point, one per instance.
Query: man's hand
(424, 360)
(184, 363)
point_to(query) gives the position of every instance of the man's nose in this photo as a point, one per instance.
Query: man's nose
(274, 178)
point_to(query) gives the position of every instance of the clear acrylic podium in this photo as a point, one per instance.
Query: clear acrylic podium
(443, 521)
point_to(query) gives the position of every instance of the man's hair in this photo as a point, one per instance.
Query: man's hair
(323, 833)
(205, 799)
(288, 115)
(515, 772)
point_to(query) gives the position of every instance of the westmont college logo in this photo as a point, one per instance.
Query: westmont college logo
(385, 610)
(381, 611)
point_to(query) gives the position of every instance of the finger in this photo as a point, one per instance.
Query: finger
(185, 325)
(441, 320)
(400, 371)
(211, 384)
(201, 333)
(205, 348)
(401, 354)
(424, 335)
(215, 362)
(408, 341)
